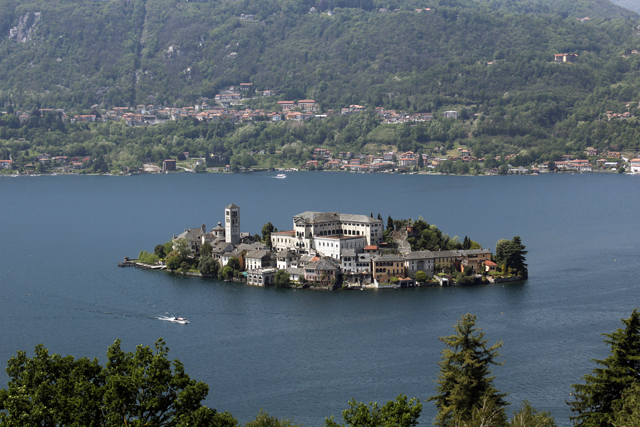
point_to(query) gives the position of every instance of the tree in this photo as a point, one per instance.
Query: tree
(173, 261)
(206, 250)
(233, 263)
(227, 273)
(159, 251)
(263, 419)
(421, 276)
(627, 409)
(511, 254)
(395, 413)
(267, 229)
(528, 416)
(182, 246)
(595, 401)
(390, 223)
(464, 381)
(209, 266)
(282, 279)
(135, 389)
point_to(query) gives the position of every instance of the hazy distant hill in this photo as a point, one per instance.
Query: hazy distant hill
(633, 5)
(64, 53)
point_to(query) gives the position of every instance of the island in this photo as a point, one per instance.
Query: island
(332, 250)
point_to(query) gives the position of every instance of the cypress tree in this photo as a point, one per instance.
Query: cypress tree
(465, 385)
(596, 401)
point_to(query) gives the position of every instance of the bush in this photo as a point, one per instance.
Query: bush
(209, 265)
(147, 258)
(173, 262)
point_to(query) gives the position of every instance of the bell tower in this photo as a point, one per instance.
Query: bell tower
(232, 224)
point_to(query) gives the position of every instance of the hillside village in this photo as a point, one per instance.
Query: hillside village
(329, 249)
(225, 107)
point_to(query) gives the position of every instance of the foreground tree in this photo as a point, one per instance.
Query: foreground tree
(596, 401)
(263, 419)
(465, 385)
(395, 413)
(133, 389)
(627, 410)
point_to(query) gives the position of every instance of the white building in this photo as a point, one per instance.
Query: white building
(451, 114)
(635, 165)
(334, 246)
(309, 226)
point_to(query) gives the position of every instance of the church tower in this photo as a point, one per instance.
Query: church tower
(232, 224)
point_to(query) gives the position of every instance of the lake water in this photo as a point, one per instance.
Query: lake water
(304, 354)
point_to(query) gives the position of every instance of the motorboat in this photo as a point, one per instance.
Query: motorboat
(281, 176)
(180, 320)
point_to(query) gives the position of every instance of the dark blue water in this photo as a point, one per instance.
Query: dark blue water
(304, 354)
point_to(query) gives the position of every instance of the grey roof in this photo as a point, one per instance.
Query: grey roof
(191, 234)
(475, 251)
(349, 253)
(446, 254)
(298, 271)
(320, 217)
(258, 254)
(219, 227)
(419, 255)
(232, 206)
(390, 257)
(287, 254)
(324, 264)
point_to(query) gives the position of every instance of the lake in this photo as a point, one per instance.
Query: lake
(304, 354)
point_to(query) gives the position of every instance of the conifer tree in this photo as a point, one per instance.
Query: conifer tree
(596, 401)
(465, 385)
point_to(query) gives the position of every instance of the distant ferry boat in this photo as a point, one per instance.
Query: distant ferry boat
(281, 176)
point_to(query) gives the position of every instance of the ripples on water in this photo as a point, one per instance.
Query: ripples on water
(304, 354)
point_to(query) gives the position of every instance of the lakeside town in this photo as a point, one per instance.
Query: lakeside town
(228, 106)
(332, 250)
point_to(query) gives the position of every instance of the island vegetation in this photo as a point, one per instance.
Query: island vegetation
(146, 388)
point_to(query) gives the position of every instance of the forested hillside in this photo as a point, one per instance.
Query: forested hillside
(491, 58)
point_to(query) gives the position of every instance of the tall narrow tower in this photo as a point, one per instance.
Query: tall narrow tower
(232, 224)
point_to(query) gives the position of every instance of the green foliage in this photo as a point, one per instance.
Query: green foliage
(282, 279)
(159, 251)
(464, 382)
(595, 402)
(627, 409)
(227, 273)
(233, 263)
(147, 258)
(267, 229)
(182, 246)
(173, 261)
(263, 419)
(528, 416)
(429, 237)
(206, 250)
(141, 388)
(421, 276)
(511, 255)
(395, 413)
(208, 265)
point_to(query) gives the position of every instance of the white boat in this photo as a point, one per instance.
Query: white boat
(281, 176)
(180, 320)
